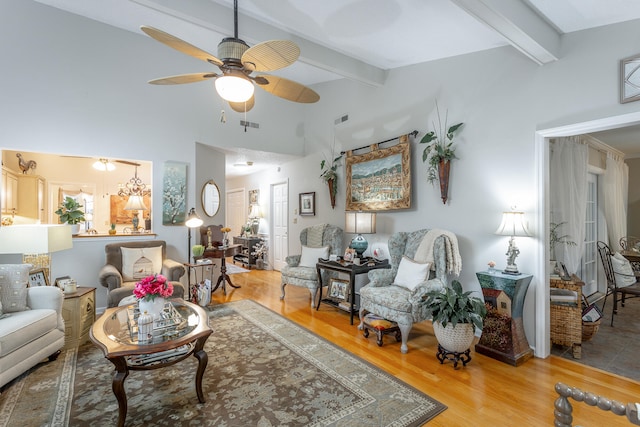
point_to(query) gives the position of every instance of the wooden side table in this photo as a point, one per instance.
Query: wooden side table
(79, 313)
(352, 269)
(503, 336)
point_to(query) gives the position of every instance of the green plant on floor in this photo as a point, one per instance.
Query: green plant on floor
(453, 305)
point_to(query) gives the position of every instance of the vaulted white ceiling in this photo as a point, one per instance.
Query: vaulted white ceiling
(363, 39)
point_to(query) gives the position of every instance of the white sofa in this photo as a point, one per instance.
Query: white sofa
(28, 336)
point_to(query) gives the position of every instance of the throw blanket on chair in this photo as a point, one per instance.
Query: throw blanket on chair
(425, 250)
(314, 235)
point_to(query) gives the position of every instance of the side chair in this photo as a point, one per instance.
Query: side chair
(621, 281)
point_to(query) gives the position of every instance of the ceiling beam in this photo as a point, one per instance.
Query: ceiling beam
(218, 18)
(519, 25)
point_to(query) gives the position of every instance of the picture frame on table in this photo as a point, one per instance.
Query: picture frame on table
(38, 277)
(591, 314)
(339, 290)
(60, 281)
(308, 203)
(349, 254)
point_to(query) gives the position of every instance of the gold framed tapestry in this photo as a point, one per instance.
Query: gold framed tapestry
(380, 179)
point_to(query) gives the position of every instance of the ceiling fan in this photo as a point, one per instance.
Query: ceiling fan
(237, 61)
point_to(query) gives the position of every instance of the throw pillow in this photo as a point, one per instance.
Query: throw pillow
(138, 263)
(411, 274)
(314, 235)
(14, 279)
(622, 270)
(309, 257)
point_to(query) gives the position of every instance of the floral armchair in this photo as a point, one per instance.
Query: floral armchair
(383, 297)
(301, 269)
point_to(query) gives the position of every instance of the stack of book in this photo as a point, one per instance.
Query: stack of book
(563, 296)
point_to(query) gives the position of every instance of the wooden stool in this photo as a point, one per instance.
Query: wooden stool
(380, 327)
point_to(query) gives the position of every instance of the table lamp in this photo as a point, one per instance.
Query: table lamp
(512, 224)
(254, 217)
(360, 223)
(135, 203)
(35, 242)
(193, 221)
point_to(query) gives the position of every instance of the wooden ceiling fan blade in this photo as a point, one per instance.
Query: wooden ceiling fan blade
(271, 55)
(180, 45)
(287, 89)
(242, 107)
(183, 78)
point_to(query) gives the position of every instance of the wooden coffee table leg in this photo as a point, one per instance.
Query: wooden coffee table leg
(203, 360)
(121, 373)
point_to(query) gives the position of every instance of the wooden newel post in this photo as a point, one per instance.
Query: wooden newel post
(443, 175)
(332, 193)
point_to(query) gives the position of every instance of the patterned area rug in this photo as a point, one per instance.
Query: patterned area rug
(263, 371)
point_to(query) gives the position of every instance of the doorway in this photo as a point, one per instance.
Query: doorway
(280, 231)
(236, 210)
(542, 323)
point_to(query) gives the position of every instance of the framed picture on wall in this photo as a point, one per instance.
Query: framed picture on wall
(38, 277)
(308, 203)
(380, 179)
(630, 79)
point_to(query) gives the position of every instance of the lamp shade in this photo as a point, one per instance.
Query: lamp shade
(135, 203)
(32, 239)
(234, 88)
(103, 165)
(513, 224)
(360, 222)
(255, 211)
(193, 220)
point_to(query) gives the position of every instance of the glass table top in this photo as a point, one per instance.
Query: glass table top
(177, 320)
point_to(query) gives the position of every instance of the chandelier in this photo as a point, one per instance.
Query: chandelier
(133, 187)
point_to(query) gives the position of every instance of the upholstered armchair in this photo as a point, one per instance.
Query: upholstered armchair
(318, 241)
(401, 304)
(128, 262)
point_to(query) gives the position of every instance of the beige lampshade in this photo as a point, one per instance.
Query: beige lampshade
(135, 203)
(513, 224)
(360, 222)
(255, 211)
(35, 239)
(193, 220)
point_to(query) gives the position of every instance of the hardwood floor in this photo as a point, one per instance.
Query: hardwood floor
(485, 392)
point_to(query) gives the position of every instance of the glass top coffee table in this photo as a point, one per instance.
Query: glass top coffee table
(181, 332)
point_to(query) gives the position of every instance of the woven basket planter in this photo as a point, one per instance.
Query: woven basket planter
(455, 340)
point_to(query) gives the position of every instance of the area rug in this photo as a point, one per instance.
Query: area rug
(234, 269)
(263, 370)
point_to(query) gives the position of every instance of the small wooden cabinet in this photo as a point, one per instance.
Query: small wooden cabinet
(79, 313)
(31, 197)
(247, 244)
(9, 200)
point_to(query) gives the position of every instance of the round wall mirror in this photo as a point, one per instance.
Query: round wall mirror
(210, 198)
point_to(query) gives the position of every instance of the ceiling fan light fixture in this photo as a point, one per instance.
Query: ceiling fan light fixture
(234, 88)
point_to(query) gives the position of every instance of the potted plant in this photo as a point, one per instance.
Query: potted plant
(329, 175)
(456, 315)
(554, 239)
(70, 213)
(439, 152)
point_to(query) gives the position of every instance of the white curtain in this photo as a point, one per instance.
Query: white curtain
(568, 189)
(616, 183)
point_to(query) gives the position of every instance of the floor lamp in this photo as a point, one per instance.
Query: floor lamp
(35, 243)
(193, 221)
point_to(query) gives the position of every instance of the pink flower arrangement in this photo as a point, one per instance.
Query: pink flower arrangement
(491, 264)
(153, 286)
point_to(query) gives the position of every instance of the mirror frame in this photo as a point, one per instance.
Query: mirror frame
(203, 195)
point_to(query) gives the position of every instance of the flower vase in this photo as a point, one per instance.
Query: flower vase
(153, 307)
(443, 177)
(225, 240)
(332, 192)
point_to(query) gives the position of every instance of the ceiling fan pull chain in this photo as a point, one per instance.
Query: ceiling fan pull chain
(223, 117)
(245, 116)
